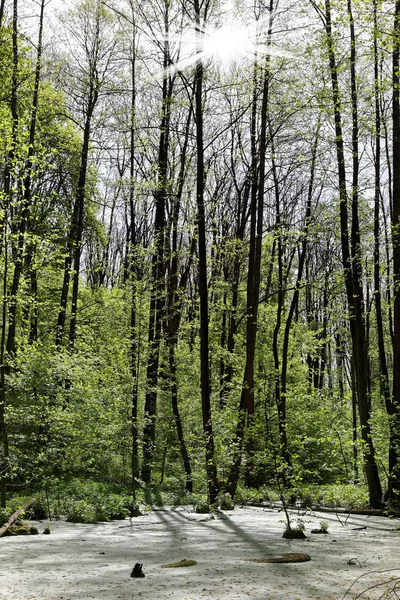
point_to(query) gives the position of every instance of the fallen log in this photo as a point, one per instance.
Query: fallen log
(368, 512)
(15, 516)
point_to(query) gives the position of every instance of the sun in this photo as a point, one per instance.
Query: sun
(228, 42)
(224, 44)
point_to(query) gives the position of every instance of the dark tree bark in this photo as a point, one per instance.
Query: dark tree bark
(205, 380)
(257, 179)
(384, 374)
(131, 271)
(4, 464)
(282, 383)
(8, 347)
(27, 195)
(394, 475)
(157, 293)
(97, 53)
(174, 306)
(2, 4)
(351, 256)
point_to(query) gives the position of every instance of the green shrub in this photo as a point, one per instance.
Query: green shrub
(81, 511)
(4, 515)
(202, 507)
(344, 496)
(323, 526)
(226, 502)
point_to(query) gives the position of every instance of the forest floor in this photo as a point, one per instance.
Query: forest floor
(95, 561)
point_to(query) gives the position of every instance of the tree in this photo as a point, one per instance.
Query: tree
(90, 26)
(205, 382)
(394, 420)
(351, 249)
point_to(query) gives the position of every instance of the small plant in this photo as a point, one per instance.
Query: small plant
(133, 509)
(46, 531)
(225, 502)
(295, 533)
(323, 525)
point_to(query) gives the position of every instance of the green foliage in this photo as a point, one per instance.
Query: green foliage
(226, 502)
(202, 507)
(323, 526)
(80, 501)
(89, 502)
(82, 511)
(296, 532)
(5, 514)
(345, 496)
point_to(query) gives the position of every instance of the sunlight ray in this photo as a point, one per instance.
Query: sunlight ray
(223, 44)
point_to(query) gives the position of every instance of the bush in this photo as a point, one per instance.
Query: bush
(344, 496)
(225, 502)
(4, 515)
(202, 507)
(79, 502)
(81, 511)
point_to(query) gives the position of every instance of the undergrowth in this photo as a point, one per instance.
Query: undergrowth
(86, 501)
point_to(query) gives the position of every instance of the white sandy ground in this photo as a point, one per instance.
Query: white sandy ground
(95, 561)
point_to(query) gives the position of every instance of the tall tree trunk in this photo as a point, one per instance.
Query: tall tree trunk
(4, 462)
(395, 420)
(131, 270)
(257, 178)
(384, 374)
(2, 4)
(293, 306)
(205, 379)
(93, 96)
(157, 299)
(351, 255)
(27, 194)
(174, 307)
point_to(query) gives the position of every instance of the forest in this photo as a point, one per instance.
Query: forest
(200, 247)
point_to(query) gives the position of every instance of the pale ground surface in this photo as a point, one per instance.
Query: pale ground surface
(95, 561)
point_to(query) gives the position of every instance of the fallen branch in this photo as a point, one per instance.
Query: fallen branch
(15, 516)
(368, 512)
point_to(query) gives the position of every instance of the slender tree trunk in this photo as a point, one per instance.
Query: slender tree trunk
(395, 420)
(131, 270)
(80, 203)
(356, 478)
(157, 300)
(174, 308)
(257, 178)
(351, 256)
(26, 198)
(384, 374)
(293, 306)
(2, 4)
(205, 379)
(4, 462)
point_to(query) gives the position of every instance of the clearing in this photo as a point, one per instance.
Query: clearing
(95, 561)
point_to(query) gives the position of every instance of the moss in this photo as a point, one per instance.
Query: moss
(182, 563)
(324, 531)
(294, 534)
(292, 557)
